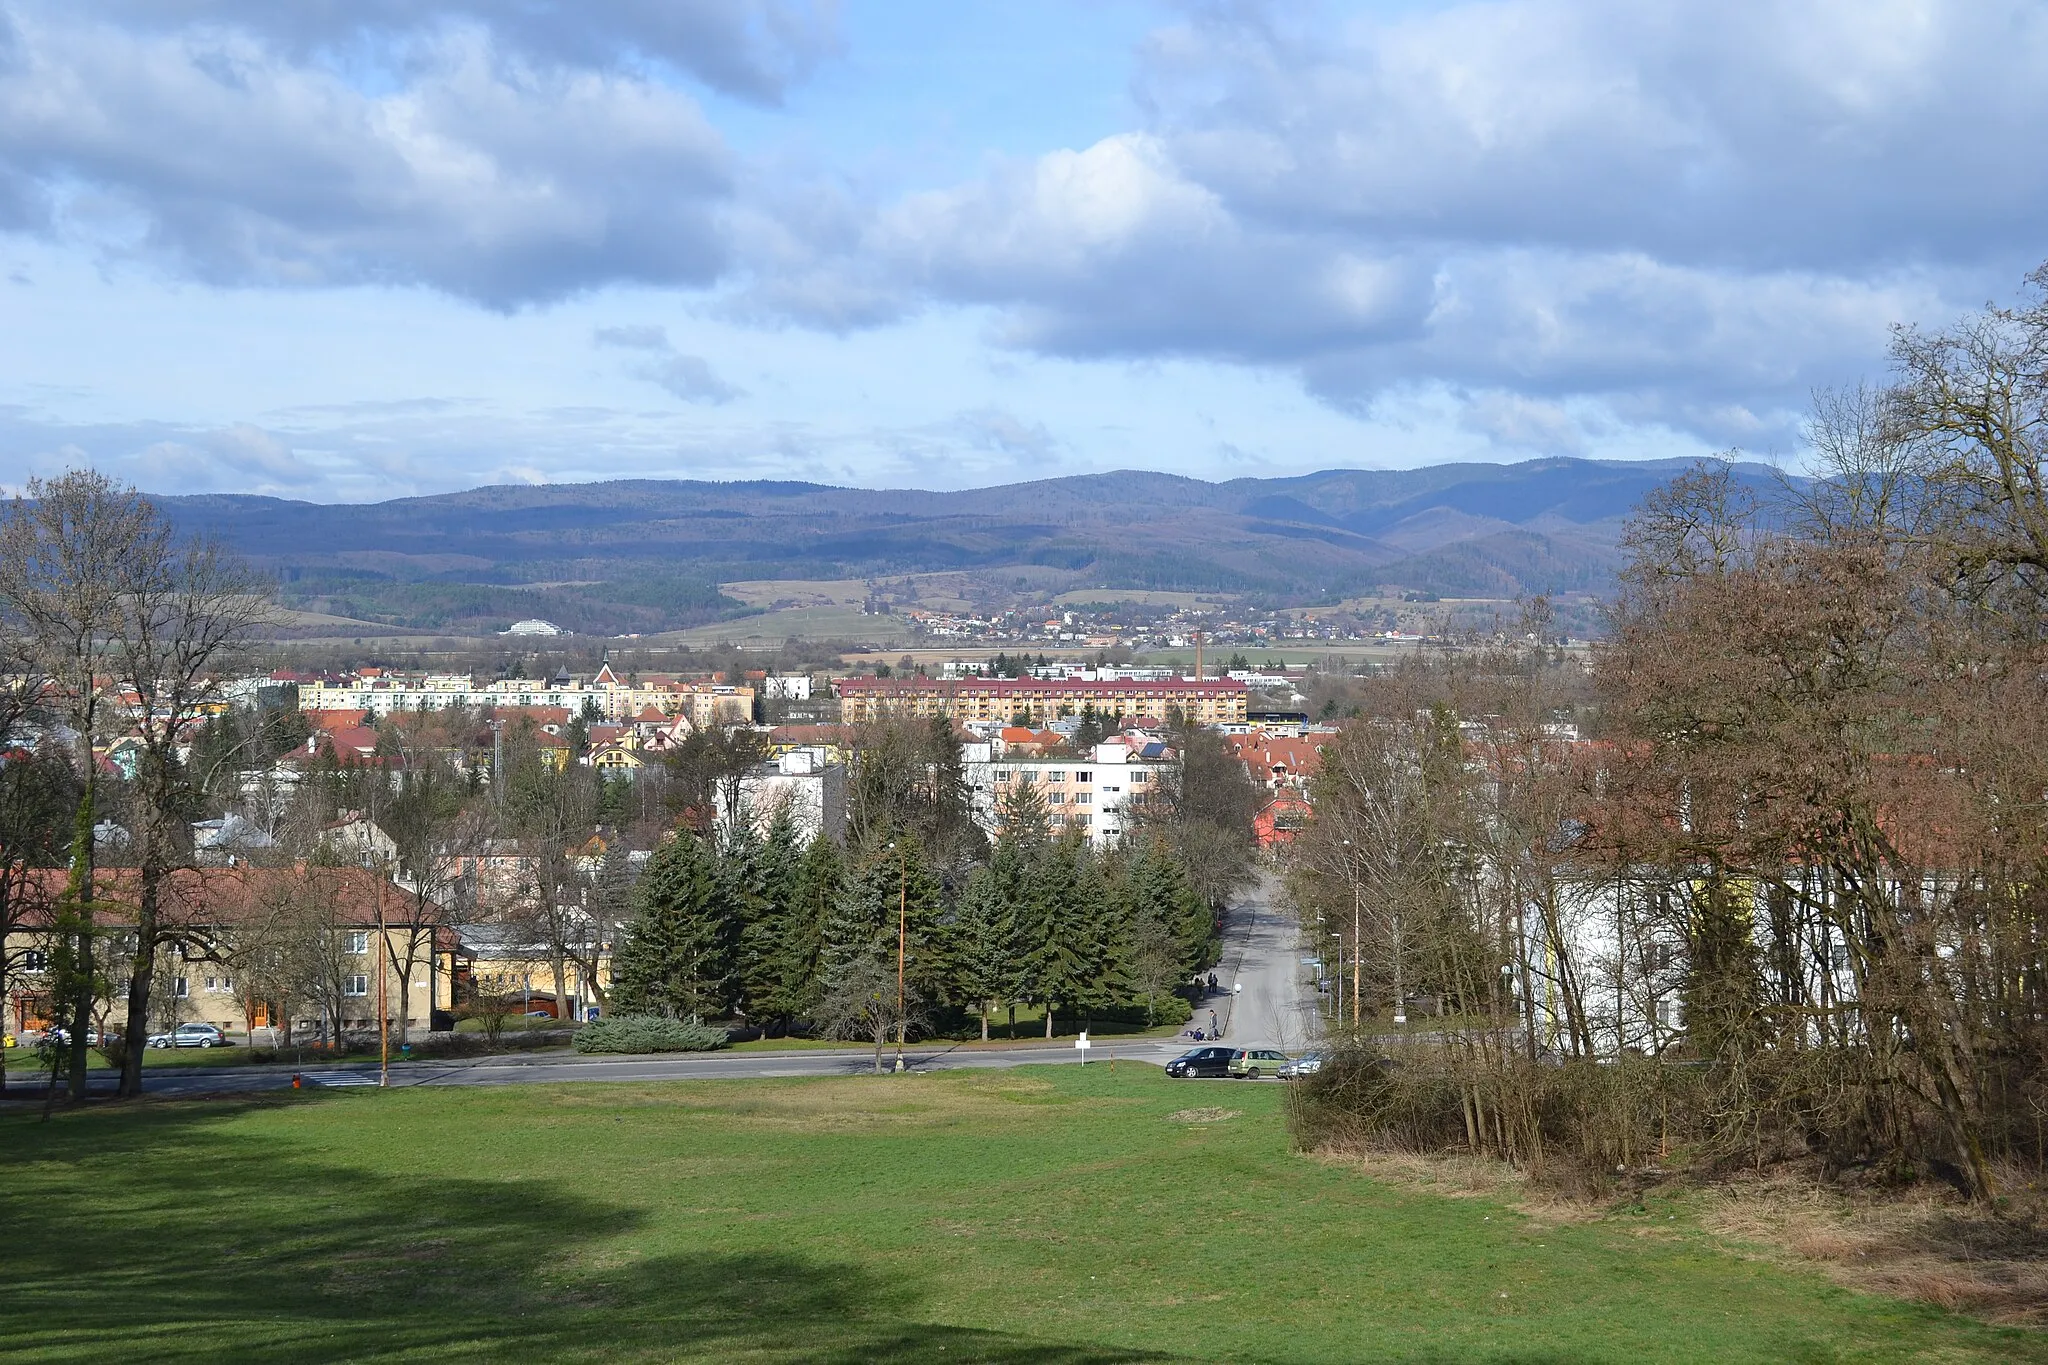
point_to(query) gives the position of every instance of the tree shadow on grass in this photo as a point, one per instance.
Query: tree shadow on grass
(159, 1232)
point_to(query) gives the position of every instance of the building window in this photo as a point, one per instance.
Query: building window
(1056, 777)
(356, 985)
(359, 943)
(1081, 798)
(1055, 798)
(1084, 777)
(35, 960)
(1002, 774)
(1112, 789)
(1136, 778)
(181, 988)
(1081, 819)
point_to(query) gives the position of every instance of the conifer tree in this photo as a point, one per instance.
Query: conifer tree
(818, 880)
(1103, 934)
(1054, 963)
(752, 872)
(892, 881)
(673, 960)
(984, 938)
(1020, 817)
(1159, 891)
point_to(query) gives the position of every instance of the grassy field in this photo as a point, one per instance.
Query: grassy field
(1058, 1214)
(810, 623)
(803, 592)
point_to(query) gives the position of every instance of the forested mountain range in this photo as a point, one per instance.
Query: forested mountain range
(1466, 529)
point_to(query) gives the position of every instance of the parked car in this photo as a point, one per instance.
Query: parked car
(1202, 1061)
(190, 1035)
(1307, 1064)
(1251, 1063)
(60, 1037)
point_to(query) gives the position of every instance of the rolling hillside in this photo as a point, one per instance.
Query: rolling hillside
(647, 554)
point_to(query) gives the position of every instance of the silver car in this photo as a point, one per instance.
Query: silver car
(190, 1035)
(1307, 1064)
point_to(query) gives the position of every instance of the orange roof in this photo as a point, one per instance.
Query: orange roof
(336, 719)
(226, 896)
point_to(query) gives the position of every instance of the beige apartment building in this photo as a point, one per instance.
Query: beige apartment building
(702, 704)
(227, 924)
(1038, 701)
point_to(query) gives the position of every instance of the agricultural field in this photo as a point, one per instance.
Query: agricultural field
(1066, 1214)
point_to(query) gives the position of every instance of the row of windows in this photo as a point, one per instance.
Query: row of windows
(1028, 775)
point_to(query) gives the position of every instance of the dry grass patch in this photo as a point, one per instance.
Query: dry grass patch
(836, 1105)
(1206, 1115)
(1455, 1176)
(1924, 1245)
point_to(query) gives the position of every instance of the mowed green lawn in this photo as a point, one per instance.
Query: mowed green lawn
(1058, 1214)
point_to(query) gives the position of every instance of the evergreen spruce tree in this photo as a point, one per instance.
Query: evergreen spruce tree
(1160, 891)
(745, 909)
(1055, 959)
(984, 938)
(818, 882)
(763, 893)
(1020, 817)
(1104, 936)
(673, 959)
(892, 879)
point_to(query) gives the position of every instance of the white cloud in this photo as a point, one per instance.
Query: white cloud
(1693, 214)
(690, 378)
(632, 337)
(471, 170)
(1546, 221)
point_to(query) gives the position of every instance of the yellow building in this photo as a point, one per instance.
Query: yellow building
(232, 930)
(1217, 701)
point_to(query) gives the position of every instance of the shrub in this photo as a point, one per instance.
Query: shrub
(115, 1049)
(649, 1033)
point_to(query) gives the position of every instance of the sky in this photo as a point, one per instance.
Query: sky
(346, 250)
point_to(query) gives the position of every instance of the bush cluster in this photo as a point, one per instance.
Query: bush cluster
(649, 1033)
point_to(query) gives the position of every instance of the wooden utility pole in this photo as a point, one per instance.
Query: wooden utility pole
(902, 938)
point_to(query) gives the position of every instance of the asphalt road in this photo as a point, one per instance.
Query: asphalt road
(1274, 1009)
(1276, 1005)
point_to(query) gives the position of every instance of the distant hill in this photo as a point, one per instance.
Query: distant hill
(647, 554)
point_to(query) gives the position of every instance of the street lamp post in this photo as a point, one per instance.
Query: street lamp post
(1357, 930)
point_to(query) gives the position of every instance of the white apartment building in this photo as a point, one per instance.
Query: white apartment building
(1093, 794)
(805, 783)
(703, 704)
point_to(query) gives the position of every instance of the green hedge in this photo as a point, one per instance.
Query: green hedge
(649, 1033)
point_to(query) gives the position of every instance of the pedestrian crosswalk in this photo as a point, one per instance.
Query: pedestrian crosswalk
(338, 1078)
